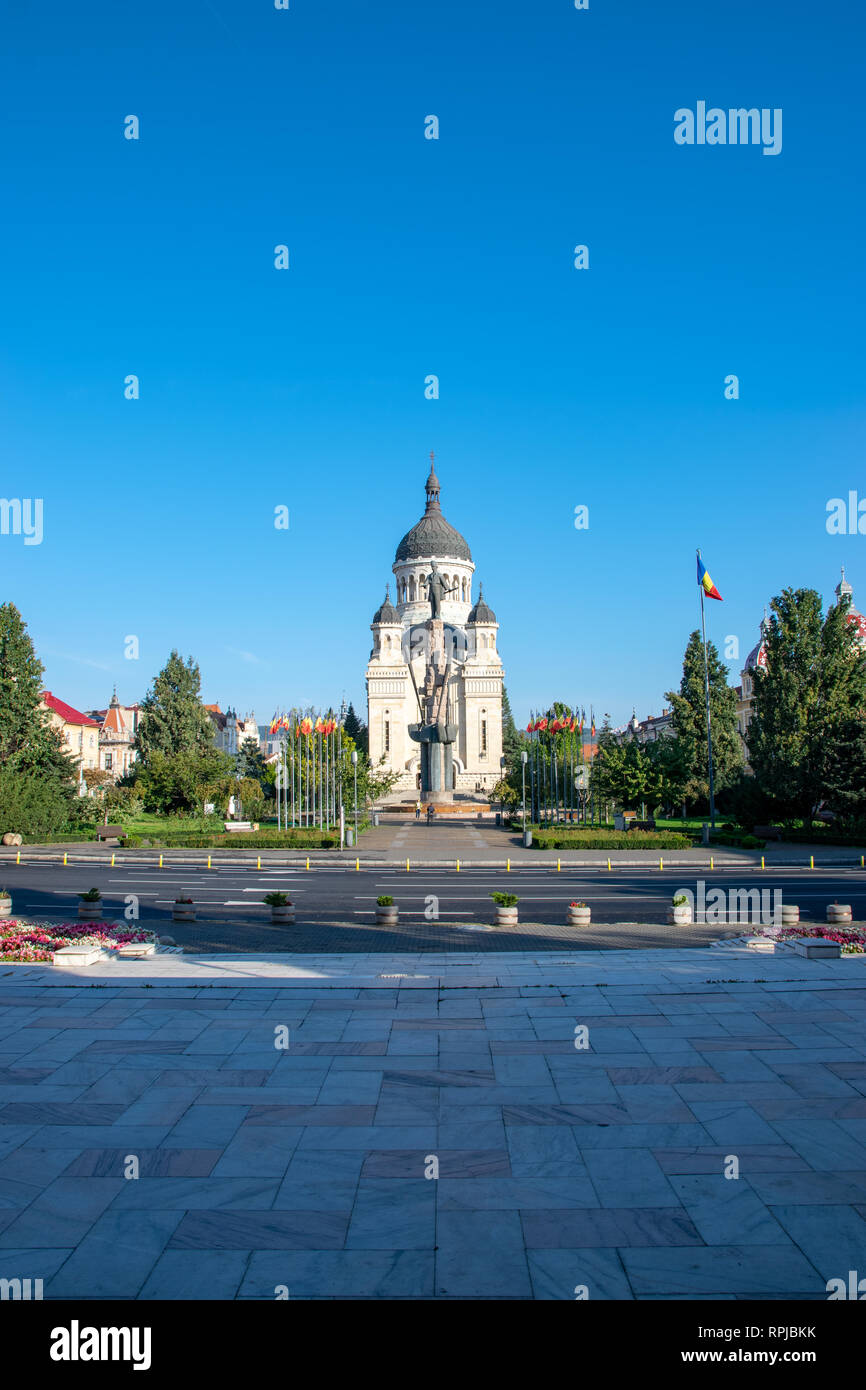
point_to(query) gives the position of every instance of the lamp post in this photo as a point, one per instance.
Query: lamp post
(502, 766)
(355, 774)
(523, 761)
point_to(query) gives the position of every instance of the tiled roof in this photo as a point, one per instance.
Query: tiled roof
(66, 712)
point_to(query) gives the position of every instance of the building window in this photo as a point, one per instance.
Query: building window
(387, 734)
(483, 733)
(108, 763)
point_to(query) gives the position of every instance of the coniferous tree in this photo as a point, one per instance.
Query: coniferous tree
(173, 718)
(28, 743)
(355, 729)
(808, 701)
(512, 740)
(689, 711)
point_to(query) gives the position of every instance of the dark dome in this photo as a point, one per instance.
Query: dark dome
(481, 613)
(432, 536)
(387, 613)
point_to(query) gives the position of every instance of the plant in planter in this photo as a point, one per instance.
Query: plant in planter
(183, 910)
(680, 910)
(90, 905)
(579, 915)
(5, 903)
(506, 909)
(386, 911)
(282, 907)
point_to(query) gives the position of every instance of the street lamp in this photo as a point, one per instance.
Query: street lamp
(523, 761)
(502, 766)
(355, 772)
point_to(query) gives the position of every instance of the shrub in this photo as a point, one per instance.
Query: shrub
(92, 895)
(611, 839)
(679, 900)
(385, 900)
(505, 899)
(277, 900)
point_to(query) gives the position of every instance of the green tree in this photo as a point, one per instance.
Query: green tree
(808, 701)
(513, 741)
(689, 711)
(355, 729)
(180, 782)
(173, 718)
(28, 742)
(250, 762)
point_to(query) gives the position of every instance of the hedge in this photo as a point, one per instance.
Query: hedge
(276, 839)
(612, 839)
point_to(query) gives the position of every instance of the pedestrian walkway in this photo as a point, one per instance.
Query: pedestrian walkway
(645, 1125)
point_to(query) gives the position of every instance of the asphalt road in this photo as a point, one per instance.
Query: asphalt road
(440, 909)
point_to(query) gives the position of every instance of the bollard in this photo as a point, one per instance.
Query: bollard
(608, 864)
(357, 866)
(18, 857)
(458, 866)
(711, 861)
(258, 861)
(558, 866)
(407, 866)
(762, 861)
(160, 861)
(811, 861)
(208, 861)
(862, 860)
(661, 862)
(508, 866)
(112, 861)
(64, 857)
(308, 863)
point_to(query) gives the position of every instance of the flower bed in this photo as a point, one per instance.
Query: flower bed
(852, 943)
(37, 941)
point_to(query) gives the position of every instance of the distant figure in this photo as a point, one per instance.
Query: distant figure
(429, 814)
(418, 809)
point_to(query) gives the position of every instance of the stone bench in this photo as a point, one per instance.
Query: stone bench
(815, 947)
(246, 825)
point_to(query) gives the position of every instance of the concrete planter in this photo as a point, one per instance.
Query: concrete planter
(387, 916)
(91, 912)
(839, 912)
(284, 915)
(5, 907)
(679, 916)
(579, 916)
(183, 912)
(506, 916)
(790, 915)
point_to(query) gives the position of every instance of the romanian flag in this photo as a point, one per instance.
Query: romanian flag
(706, 582)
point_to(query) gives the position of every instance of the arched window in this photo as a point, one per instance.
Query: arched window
(412, 588)
(386, 733)
(483, 734)
(464, 590)
(387, 644)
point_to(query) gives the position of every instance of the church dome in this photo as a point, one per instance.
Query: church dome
(432, 537)
(481, 613)
(386, 613)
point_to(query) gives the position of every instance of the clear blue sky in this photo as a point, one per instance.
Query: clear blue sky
(306, 388)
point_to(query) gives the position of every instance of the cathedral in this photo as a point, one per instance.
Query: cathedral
(396, 670)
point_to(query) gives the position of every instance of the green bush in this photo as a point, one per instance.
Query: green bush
(505, 899)
(277, 900)
(611, 839)
(384, 900)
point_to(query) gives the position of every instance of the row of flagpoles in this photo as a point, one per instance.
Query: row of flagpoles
(558, 777)
(309, 783)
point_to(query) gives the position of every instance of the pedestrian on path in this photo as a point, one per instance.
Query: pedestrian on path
(429, 814)
(418, 809)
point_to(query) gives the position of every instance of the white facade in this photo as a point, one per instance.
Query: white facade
(399, 638)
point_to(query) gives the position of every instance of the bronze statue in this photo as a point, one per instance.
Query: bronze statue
(437, 590)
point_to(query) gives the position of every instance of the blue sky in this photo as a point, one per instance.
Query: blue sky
(408, 256)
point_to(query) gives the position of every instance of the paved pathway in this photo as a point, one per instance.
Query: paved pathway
(263, 1168)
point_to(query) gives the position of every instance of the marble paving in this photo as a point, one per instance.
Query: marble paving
(425, 1128)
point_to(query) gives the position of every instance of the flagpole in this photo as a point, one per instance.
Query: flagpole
(709, 725)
